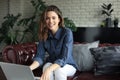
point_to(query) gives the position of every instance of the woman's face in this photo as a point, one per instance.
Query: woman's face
(52, 21)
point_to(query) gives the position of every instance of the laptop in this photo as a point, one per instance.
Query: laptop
(11, 71)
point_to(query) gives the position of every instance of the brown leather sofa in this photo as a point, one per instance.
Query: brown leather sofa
(23, 54)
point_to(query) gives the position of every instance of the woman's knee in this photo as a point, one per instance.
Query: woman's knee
(59, 74)
(46, 66)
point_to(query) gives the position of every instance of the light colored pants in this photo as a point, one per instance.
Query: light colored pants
(61, 73)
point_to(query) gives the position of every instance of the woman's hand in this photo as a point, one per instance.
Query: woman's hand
(46, 74)
(48, 71)
(34, 65)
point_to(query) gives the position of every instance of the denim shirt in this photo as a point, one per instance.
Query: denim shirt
(59, 47)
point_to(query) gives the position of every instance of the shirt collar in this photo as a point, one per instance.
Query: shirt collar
(57, 35)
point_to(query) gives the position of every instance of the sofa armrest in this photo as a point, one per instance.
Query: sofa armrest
(19, 53)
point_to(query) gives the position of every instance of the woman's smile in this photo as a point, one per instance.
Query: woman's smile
(52, 21)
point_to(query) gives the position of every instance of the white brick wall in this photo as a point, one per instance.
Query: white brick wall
(3, 9)
(84, 13)
(15, 6)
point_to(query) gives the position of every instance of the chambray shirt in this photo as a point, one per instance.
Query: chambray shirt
(59, 47)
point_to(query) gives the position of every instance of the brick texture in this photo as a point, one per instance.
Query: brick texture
(84, 13)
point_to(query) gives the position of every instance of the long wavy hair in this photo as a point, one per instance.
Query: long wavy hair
(43, 30)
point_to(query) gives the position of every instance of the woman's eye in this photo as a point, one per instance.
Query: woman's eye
(53, 18)
(47, 18)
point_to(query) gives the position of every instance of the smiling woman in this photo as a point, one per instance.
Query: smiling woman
(57, 41)
(23, 28)
(52, 21)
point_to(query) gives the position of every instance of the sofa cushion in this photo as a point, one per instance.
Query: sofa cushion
(82, 55)
(107, 60)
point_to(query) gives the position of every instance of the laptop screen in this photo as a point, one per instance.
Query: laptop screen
(16, 72)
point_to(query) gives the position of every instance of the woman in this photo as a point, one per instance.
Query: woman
(57, 41)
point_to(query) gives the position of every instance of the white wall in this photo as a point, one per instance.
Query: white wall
(3, 9)
(84, 13)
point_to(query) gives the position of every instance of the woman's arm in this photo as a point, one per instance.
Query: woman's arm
(38, 59)
(34, 65)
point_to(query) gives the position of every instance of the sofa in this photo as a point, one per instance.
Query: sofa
(91, 67)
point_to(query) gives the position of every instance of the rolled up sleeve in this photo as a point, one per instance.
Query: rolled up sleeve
(40, 53)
